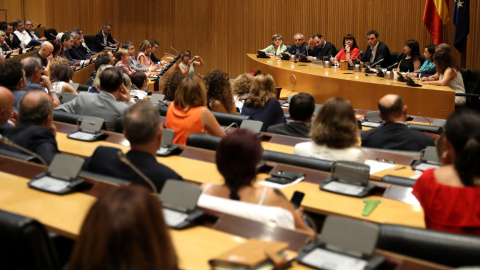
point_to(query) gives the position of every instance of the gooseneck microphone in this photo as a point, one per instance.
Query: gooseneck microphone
(392, 65)
(429, 122)
(174, 49)
(123, 158)
(24, 150)
(231, 125)
(290, 93)
(376, 63)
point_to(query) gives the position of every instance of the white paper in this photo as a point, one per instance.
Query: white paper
(378, 166)
(324, 259)
(173, 218)
(279, 186)
(49, 183)
(80, 135)
(339, 187)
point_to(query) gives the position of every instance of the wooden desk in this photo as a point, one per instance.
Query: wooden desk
(363, 91)
(17, 57)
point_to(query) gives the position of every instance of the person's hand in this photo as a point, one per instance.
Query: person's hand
(43, 39)
(310, 58)
(45, 82)
(424, 79)
(163, 62)
(347, 49)
(310, 42)
(124, 93)
(13, 119)
(49, 58)
(270, 54)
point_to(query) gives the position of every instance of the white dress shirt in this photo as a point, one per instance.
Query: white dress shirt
(24, 37)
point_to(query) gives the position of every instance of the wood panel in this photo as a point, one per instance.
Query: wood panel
(223, 31)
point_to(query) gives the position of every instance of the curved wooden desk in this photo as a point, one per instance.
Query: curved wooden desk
(363, 91)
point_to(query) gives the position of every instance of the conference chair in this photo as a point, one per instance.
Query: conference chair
(396, 56)
(226, 119)
(162, 109)
(70, 118)
(450, 249)
(399, 181)
(471, 81)
(295, 160)
(68, 97)
(50, 34)
(203, 141)
(25, 244)
(16, 155)
(89, 41)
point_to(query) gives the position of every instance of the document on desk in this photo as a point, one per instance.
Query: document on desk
(173, 218)
(279, 186)
(378, 166)
(325, 259)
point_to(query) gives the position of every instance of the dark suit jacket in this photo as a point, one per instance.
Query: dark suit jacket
(37, 139)
(295, 129)
(396, 136)
(382, 52)
(327, 50)
(98, 46)
(66, 55)
(154, 58)
(105, 161)
(13, 44)
(302, 49)
(76, 54)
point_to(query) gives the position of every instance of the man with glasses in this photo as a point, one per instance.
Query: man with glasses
(300, 46)
(33, 34)
(23, 36)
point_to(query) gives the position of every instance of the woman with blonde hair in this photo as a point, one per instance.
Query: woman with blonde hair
(277, 46)
(123, 57)
(334, 134)
(187, 114)
(144, 54)
(95, 88)
(261, 104)
(241, 89)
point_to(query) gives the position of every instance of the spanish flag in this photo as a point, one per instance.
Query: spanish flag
(434, 17)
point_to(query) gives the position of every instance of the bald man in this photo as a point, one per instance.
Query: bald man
(45, 54)
(395, 134)
(6, 105)
(36, 131)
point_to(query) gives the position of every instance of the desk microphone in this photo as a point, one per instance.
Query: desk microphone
(6, 141)
(123, 158)
(290, 93)
(429, 123)
(36, 23)
(392, 65)
(376, 63)
(231, 125)
(174, 49)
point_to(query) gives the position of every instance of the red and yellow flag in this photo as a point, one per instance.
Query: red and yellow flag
(434, 17)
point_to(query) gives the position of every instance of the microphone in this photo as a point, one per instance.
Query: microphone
(231, 125)
(174, 49)
(123, 158)
(36, 23)
(392, 65)
(169, 54)
(429, 123)
(53, 35)
(290, 93)
(378, 62)
(6, 141)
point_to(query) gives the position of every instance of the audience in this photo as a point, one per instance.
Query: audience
(219, 92)
(105, 104)
(301, 111)
(133, 63)
(12, 76)
(143, 129)
(12, 40)
(241, 89)
(124, 229)
(187, 114)
(139, 81)
(34, 34)
(187, 65)
(57, 48)
(172, 82)
(35, 80)
(154, 49)
(104, 38)
(334, 134)
(95, 88)
(101, 60)
(35, 130)
(449, 195)
(75, 51)
(45, 56)
(144, 55)
(395, 134)
(123, 58)
(237, 157)
(61, 78)
(22, 35)
(67, 43)
(261, 104)
(6, 105)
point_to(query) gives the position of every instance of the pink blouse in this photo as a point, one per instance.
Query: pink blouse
(147, 61)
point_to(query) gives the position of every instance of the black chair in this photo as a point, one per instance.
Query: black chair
(399, 181)
(20, 156)
(450, 249)
(471, 81)
(395, 57)
(424, 128)
(203, 141)
(311, 163)
(68, 118)
(25, 244)
(89, 41)
(119, 125)
(50, 34)
(226, 119)
(162, 109)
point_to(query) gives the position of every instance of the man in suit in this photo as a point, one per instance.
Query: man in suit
(300, 46)
(132, 62)
(103, 105)
(12, 41)
(67, 42)
(301, 110)
(6, 105)
(395, 134)
(36, 131)
(34, 34)
(12, 76)
(376, 50)
(319, 47)
(75, 51)
(23, 35)
(143, 129)
(35, 80)
(104, 38)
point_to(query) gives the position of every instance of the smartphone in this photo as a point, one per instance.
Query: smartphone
(193, 59)
(297, 198)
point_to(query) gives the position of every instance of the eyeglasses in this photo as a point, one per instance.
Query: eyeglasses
(28, 24)
(299, 39)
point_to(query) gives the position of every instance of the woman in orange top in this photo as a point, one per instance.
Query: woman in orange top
(187, 114)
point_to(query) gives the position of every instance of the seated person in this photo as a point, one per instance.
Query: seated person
(241, 89)
(124, 229)
(299, 47)
(12, 76)
(412, 60)
(376, 50)
(172, 82)
(61, 77)
(75, 51)
(101, 60)
(123, 58)
(6, 105)
(237, 157)
(95, 88)
(22, 35)
(428, 66)
(277, 47)
(35, 130)
(45, 56)
(261, 104)
(394, 134)
(219, 92)
(143, 129)
(132, 62)
(187, 66)
(187, 114)
(350, 52)
(105, 104)
(35, 80)
(104, 38)
(139, 81)
(144, 55)
(320, 48)
(449, 195)
(334, 134)
(301, 110)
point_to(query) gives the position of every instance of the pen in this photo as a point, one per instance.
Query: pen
(400, 168)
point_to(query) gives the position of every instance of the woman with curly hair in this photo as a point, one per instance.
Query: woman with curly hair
(261, 104)
(172, 82)
(219, 92)
(241, 89)
(334, 133)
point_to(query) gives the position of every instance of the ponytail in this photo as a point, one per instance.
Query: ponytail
(466, 162)
(234, 186)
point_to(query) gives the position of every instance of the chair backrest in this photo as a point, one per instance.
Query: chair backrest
(295, 160)
(395, 57)
(450, 249)
(162, 110)
(225, 119)
(50, 34)
(89, 41)
(25, 244)
(282, 217)
(203, 141)
(397, 180)
(68, 97)
(70, 118)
